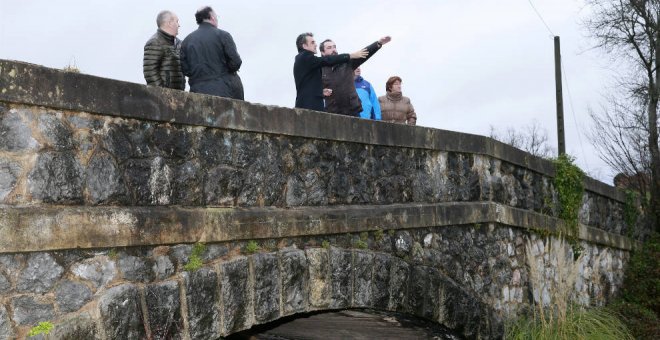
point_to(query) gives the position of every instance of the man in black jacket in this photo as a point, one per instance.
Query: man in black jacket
(339, 79)
(209, 58)
(161, 65)
(307, 71)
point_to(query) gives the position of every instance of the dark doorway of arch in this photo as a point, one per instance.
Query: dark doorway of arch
(347, 324)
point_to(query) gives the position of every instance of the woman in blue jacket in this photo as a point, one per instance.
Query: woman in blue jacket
(370, 105)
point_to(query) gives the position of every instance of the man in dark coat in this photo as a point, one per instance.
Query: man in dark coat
(340, 79)
(307, 71)
(209, 58)
(161, 64)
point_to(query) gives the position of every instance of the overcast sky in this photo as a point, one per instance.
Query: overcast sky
(466, 64)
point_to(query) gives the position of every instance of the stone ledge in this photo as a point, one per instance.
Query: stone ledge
(26, 83)
(25, 229)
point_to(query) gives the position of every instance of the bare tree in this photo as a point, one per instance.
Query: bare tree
(620, 136)
(532, 138)
(629, 30)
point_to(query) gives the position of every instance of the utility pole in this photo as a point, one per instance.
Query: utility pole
(560, 101)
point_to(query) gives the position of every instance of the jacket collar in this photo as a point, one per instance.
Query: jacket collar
(394, 96)
(166, 35)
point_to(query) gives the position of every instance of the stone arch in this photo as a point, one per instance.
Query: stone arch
(230, 296)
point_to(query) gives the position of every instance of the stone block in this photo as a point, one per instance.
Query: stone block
(164, 310)
(172, 142)
(81, 326)
(5, 285)
(56, 178)
(399, 274)
(266, 287)
(30, 311)
(202, 298)
(163, 267)
(55, 132)
(432, 300)
(417, 290)
(403, 243)
(9, 174)
(380, 285)
(320, 288)
(40, 275)
(136, 268)
(293, 268)
(104, 182)
(15, 133)
(100, 270)
(363, 267)
(235, 293)
(6, 331)
(70, 295)
(187, 186)
(121, 313)
(341, 264)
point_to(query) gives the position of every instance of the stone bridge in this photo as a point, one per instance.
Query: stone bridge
(129, 212)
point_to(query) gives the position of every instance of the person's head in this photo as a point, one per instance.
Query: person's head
(305, 41)
(206, 14)
(328, 47)
(393, 84)
(168, 22)
(356, 73)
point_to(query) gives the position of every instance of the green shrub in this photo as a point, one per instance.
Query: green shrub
(252, 247)
(556, 317)
(568, 183)
(325, 244)
(642, 322)
(639, 303)
(360, 244)
(378, 234)
(41, 328)
(578, 323)
(641, 284)
(364, 236)
(195, 260)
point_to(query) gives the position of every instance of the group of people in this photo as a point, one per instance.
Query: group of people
(330, 83)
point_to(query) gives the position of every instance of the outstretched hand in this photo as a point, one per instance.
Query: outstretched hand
(384, 40)
(363, 53)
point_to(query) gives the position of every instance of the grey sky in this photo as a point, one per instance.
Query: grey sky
(465, 64)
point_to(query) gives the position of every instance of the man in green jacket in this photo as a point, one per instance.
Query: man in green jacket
(161, 64)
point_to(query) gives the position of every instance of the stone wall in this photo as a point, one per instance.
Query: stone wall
(468, 278)
(104, 186)
(75, 158)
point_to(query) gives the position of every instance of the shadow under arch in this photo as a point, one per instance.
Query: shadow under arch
(354, 323)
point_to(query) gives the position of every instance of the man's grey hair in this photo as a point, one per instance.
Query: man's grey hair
(163, 17)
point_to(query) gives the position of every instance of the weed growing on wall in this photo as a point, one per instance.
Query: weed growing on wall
(252, 247)
(378, 235)
(195, 260)
(360, 244)
(42, 328)
(568, 182)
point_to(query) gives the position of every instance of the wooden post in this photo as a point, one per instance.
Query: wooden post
(560, 101)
